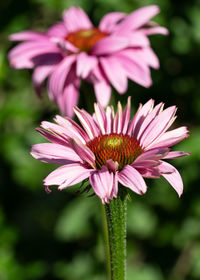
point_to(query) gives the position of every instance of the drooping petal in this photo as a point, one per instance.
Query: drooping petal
(102, 183)
(85, 63)
(22, 55)
(109, 22)
(67, 175)
(139, 73)
(58, 78)
(115, 73)
(103, 92)
(54, 153)
(39, 75)
(76, 19)
(131, 178)
(174, 178)
(68, 99)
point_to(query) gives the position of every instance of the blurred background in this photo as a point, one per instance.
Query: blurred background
(59, 236)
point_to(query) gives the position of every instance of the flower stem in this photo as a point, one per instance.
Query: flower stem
(116, 241)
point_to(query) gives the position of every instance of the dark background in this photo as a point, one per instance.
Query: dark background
(59, 236)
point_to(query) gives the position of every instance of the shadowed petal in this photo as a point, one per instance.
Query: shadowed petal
(176, 154)
(131, 178)
(102, 183)
(109, 22)
(58, 78)
(57, 30)
(67, 175)
(83, 151)
(85, 63)
(68, 100)
(173, 178)
(39, 75)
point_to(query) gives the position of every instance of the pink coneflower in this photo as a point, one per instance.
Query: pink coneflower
(74, 49)
(111, 148)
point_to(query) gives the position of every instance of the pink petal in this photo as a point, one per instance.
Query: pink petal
(137, 18)
(115, 73)
(28, 35)
(101, 117)
(131, 178)
(158, 126)
(173, 178)
(171, 137)
(52, 138)
(155, 30)
(54, 153)
(68, 99)
(39, 75)
(140, 74)
(76, 131)
(126, 116)
(176, 154)
(154, 154)
(147, 120)
(109, 45)
(139, 117)
(109, 119)
(22, 55)
(58, 78)
(57, 30)
(87, 122)
(137, 39)
(102, 183)
(67, 175)
(85, 63)
(118, 120)
(83, 151)
(109, 22)
(103, 92)
(76, 19)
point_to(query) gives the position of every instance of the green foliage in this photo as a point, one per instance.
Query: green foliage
(57, 236)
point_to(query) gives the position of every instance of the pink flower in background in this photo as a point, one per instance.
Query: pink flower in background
(74, 49)
(110, 148)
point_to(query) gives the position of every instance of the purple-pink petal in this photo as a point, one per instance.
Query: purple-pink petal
(28, 35)
(115, 73)
(109, 22)
(85, 64)
(54, 153)
(174, 178)
(132, 179)
(83, 151)
(102, 183)
(67, 175)
(76, 19)
(109, 45)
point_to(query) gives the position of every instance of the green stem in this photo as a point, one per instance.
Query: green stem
(116, 241)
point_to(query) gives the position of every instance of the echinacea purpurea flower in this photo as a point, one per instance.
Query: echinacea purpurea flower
(110, 148)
